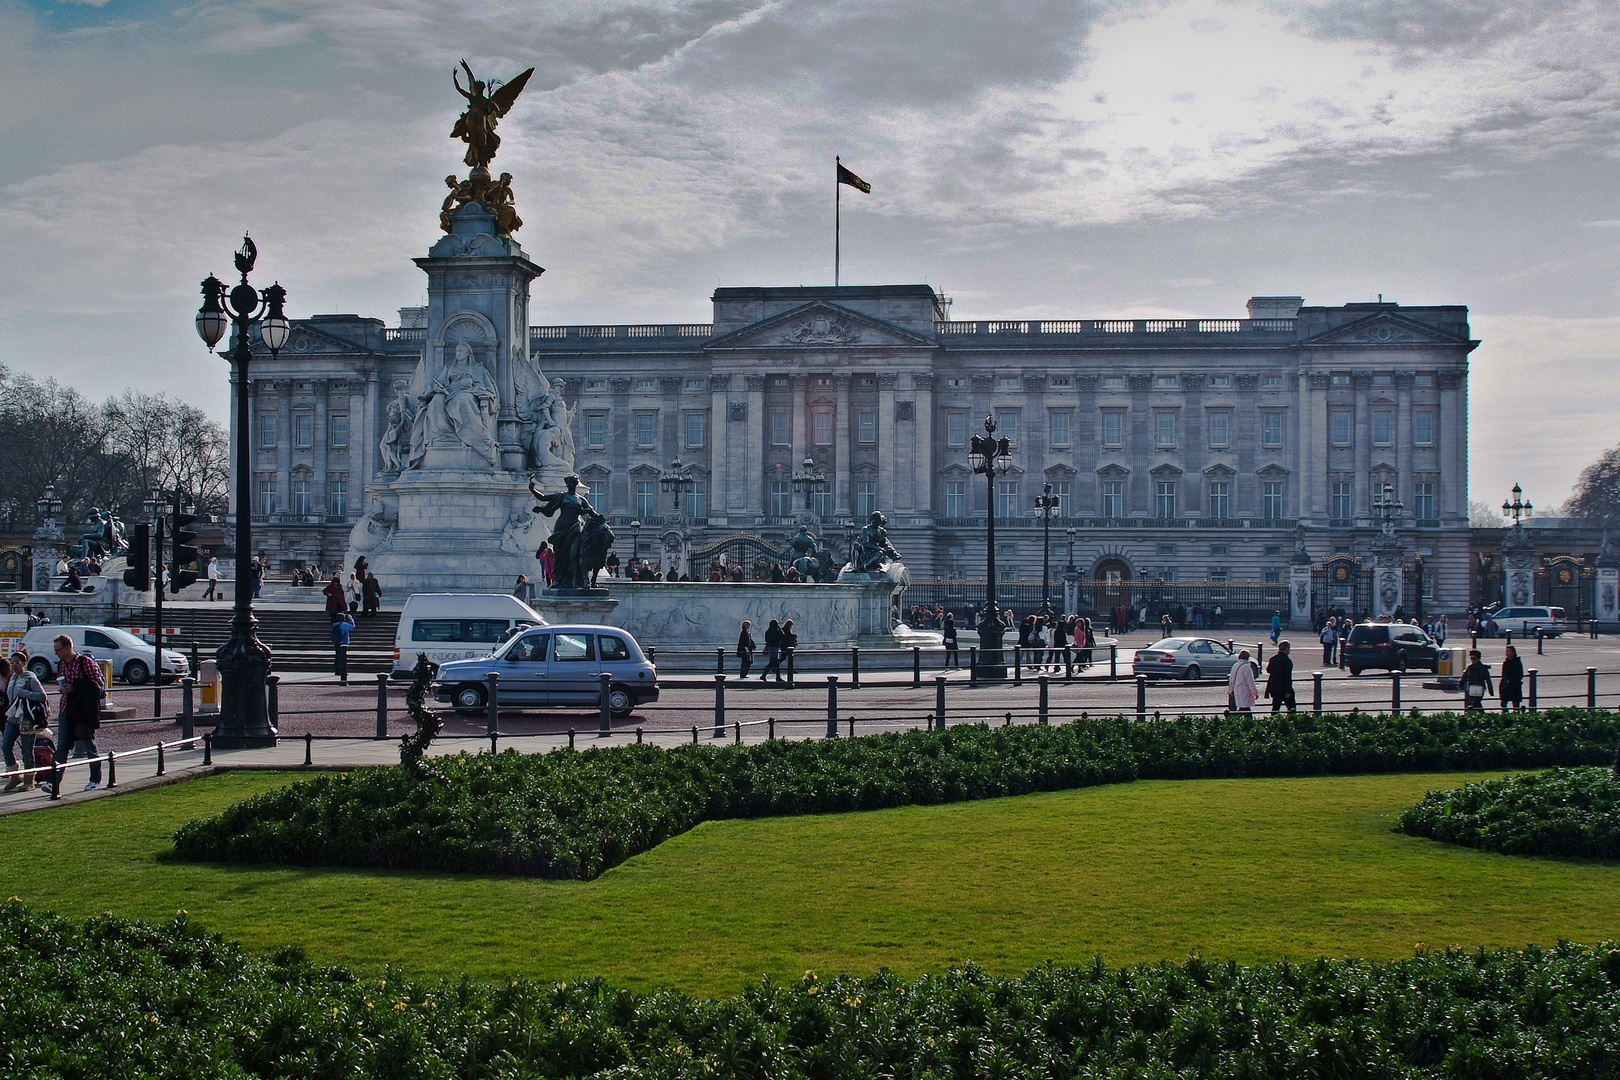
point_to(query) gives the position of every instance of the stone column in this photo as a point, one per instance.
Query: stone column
(887, 445)
(1403, 441)
(1519, 559)
(322, 439)
(753, 473)
(1453, 462)
(1299, 584)
(719, 441)
(927, 428)
(1362, 433)
(284, 441)
(801, 444)
(842, 438)
(370, 434)
(1389, 568)
(1606, 593)
(1313, 444)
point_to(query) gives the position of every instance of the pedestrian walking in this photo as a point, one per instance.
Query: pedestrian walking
(78, 710)
(336, 602)
(213, 580)
(256, 574)
(773, 651)
(1511, 683)
(1241, 692)
(1330, 638)
(1476, 683)
(790, 641)
(1441, 630)
(952, 657)
(1061, 629)
(1166, 626)
(1280, 678)
(25, 715)
(745, 649)
(1276, 626)
(352, 592)
(342, 627)
(371, 595)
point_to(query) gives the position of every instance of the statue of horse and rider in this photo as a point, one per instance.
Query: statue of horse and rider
(580, 539)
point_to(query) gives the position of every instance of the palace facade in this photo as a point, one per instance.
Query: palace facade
(1184, 450)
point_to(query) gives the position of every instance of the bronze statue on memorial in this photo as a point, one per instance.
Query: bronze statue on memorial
(476, 126)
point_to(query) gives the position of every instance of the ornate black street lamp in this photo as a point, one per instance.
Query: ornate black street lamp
(810, 481)
(1387, 507)
(1518, 508)
(1047, 506)
(1417, 568)
(990, 457)
(244, 660)
(1070, 568)
(678, 479)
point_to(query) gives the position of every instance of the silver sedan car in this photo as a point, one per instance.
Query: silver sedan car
(1187, 658)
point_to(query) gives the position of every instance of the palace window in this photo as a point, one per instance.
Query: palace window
(1221, 382)
(596, 491)
(781, 498)
(1272, 500)
(1271, 382)
(267, 431)
(596, 430)
(301, 498)
(1006, 498)
(1060, 428)
(1061, 382)
(267, 496)
(337, 496)
(339, 423)
(646, 430)
(1271, 429)
(1341, 427)
(956, 498)
(1009, 382)
(697, 500)
(1423, 427)
(865, 498)
(1060, 491)
(1007, 426)
(1220, 499)
(1165, 498)
(1220, 428)
(697, 384)
(1113, 382)
(1166, 382)
(1423, 500)
(1382, 380)
(824, 504)
(303, 430)
(866, 428)
(1340, 507)
(646, 499)
(1113, 428)
(1165, 426)
(1383, 427)
(1339, 380)
(781, 430)
(822, 427)
(645, 385)
(956, 429)
(1113, 499)
(695, 423)
(1423, 380)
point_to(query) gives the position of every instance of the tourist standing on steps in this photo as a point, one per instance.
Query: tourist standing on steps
(1280, 678)
(773, 651)
(1511, 684)
(342, 627)
(1241, 692)
(336, 603)
(745, 649)
(78, 710)
(371, 595)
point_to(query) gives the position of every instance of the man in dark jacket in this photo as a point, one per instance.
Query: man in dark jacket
(1280, 678)
(1511, 682)
(336, 601)
(371, 594)
(745, 649)
(1475, 682)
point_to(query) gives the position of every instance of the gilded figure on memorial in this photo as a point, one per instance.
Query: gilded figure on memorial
(476, 126)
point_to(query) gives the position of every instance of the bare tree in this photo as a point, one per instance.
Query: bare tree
(1482, 516)
(1597, 492)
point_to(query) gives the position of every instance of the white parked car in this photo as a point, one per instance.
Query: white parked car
(456, 626)
(1521, 622)
(131, 658)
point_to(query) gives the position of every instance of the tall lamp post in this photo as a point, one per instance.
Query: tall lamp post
(49, 539)
(244, 660)
(1518, 508)
(1047, 506)
(990, 457)
(635, 546)
(811, 481)
(1417, 568)
(678, 479)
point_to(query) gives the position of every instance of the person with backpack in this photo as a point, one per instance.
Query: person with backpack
(342, 627)
(25, 716)
(79, 707)
(371, 595)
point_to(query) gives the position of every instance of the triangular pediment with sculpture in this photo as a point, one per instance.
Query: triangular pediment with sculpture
(820, 325)
(1385, 328)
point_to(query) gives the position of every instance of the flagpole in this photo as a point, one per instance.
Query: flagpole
(838, 219)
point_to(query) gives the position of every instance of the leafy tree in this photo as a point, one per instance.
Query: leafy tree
(1597, 492)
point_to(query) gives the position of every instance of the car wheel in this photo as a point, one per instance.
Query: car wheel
(1193, 672)
(1354, 670)
(41, 670)
(469, 699)
(136, 673)
(620, 703)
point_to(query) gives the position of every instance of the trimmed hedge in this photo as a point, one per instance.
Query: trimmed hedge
(1557, 812)
(575, 815)
(115, 998)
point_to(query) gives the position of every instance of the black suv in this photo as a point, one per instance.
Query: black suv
(1391, 646)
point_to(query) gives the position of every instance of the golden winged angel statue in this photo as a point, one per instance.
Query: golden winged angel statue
(476, 126)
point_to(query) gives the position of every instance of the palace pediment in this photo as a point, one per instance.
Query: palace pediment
(820, 325)
(1385, 328)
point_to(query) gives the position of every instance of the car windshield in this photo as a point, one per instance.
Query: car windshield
(1170, 644)
(1359, 634)
(124, 638)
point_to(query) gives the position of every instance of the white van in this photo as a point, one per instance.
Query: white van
(1521, 622)
(456, 626)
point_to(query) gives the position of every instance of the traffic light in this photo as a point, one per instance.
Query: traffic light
(184, 554)
(139, 574)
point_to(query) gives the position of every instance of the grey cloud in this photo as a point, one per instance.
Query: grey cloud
(904, 52)
(1423, 24)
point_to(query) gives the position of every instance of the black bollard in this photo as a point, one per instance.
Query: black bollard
(1141, 697)
(309, 749)
(571, 738)
(273, 687)
(112, 770)
(916, 667)
(605, 702)
(1068, 663)
(855, 667)
(832, 706)
(1534, 672)
(790, 653)
(736, 728)
(973, 665)
(720, 706)
(1045, 684)
(1539, 651)
(492, 703)
(852, 727)
(770, 729)
(1316, 692)
(382, 704)
(1591, 688)
(939, 700)
(1018, 666)
(638, 736)
(1394, 691)
(1113, 661)
(719, 660)
(208, 748)
(160, 757)
(188, 686)
(694, 734)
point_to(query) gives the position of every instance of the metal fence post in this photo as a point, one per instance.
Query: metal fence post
(309, 749)
(855, 667)
(571, 734)
(1068, 663)
(605, 699)
(737, 728)
(916, 667)
(1018, 666)
(939, 700)
(273, 707)
(187, 722)
(973, 665)
(382, 704)
(852, 726)
(790, 653)
(1533, 673)
(832, 706)
(208, 748)
(1394, 691)
(719, 660)
(1539, 651)
(770, 729)
(1045, 700)
(694, 734)
(720, 706)
(1316, 692)
(112, 770)
(1141, 697)
(1113, 661)
(1591, 688)
(493, 704)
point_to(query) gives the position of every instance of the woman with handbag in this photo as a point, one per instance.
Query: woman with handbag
(25, 715)
(1476, 683)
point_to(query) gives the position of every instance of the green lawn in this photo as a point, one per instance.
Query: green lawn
(1238, 869)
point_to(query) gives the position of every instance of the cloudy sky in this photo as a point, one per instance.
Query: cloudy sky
(1032, 158)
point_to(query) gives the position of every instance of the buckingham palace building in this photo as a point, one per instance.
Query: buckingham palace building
(1186, 456)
